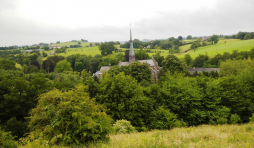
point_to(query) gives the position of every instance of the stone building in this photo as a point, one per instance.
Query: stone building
(150, 62)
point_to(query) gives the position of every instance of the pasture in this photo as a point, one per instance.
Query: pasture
(83, 50)
(224, 45)
(84, 44)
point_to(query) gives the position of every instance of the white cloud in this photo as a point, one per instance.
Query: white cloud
(29, 21)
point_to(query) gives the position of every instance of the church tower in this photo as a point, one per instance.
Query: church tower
(131, 52)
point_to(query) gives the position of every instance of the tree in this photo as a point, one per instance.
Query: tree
(44, 54)
(200, 60)
(173, 64)
(141, 55)
(247, 36)
(140, 72)
(72, 59)
(36, 63)
(7, 64)
(158, 58)
(188, 59)
(126, 55)
(189, 37)
(55, 59)
(78, 118)
(180, 38)
(79, 43)
(62, 66)
(91, 44)
(79, 66)
(106, 49)
(214, 39)
(48, 66)
(124, 99)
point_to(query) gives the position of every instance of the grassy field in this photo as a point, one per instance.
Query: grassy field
(197, 137)
(224, 45)
(221, 47)
(84, 44)
(84, 50)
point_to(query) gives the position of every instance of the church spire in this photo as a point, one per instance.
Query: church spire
(131, 52)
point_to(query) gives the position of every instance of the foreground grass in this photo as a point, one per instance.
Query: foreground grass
(201, 136)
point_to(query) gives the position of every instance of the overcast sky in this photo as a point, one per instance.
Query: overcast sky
(26, 22)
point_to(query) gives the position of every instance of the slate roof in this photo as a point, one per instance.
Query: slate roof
(199, 70)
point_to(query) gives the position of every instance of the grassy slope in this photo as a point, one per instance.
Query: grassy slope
(201, 136)
(84, 44)
(84, 50)
(221, 47)
(211, 50)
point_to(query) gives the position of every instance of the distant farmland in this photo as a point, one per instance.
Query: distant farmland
(224, 45)
(221, 47)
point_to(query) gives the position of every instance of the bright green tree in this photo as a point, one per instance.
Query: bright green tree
(63, 66)
(69, 117)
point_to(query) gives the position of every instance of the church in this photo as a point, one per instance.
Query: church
(150, 62)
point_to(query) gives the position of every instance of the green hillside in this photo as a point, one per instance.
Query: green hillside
(84, 44)
(226, 45)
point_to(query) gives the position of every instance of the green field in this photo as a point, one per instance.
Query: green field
(221, 47)
(83, 50)
(84, 44)
(224, 45)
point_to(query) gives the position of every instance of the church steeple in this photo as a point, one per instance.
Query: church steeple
(131, 52)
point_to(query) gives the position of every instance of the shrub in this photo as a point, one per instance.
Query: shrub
(123, 126)
(222, 120)
(252, 118)
(234, 118)
(7, 140)
(164, 119)
(69, 117)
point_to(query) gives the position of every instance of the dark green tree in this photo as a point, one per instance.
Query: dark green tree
(180, 38)
(48, 66)
(173, 64)
(106, 49)
(214, 39)
(124, 98)
(141, 55)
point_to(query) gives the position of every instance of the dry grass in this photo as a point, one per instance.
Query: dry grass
(230, 136)
(201, 136)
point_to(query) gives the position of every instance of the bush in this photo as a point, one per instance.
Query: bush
(7, 140)
(252, 118)
(164, 119)
(234, 118)
(222, 120)
(123, 126)
(69, 117)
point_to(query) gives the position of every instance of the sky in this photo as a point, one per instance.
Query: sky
(27, 22)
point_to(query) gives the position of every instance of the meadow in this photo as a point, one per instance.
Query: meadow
(84, 44)
(224, 45)
(198, 137)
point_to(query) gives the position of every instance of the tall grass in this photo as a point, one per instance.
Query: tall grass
(201, 136)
